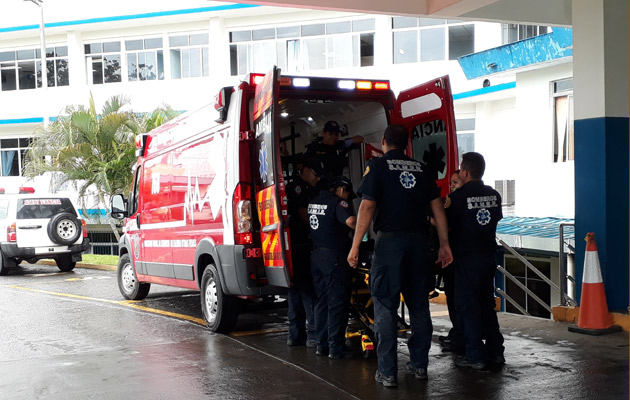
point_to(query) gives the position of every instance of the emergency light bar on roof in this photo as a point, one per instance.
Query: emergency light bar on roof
(328, 84)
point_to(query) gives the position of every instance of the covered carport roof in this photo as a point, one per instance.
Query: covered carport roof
(542, 12)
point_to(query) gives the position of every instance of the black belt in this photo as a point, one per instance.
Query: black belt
(381, 234)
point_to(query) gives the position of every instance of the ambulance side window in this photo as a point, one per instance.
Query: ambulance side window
(429, 146)
(133, 199)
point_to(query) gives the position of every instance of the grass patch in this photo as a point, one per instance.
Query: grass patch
(99, 259)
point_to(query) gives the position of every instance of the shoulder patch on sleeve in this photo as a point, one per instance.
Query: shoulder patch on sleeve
(367, 170)
(298, 189)
(344, 204)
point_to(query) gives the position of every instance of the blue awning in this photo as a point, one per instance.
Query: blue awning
(547, 228)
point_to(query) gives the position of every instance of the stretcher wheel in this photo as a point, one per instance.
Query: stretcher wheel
(368, 353)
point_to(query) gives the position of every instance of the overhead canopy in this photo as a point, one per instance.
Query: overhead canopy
(537, 12)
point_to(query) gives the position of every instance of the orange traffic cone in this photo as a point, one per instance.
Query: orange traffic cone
(593, 318)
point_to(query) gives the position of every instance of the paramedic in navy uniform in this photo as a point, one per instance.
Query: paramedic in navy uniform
(473, 213)
(332, 151)
(301, 299)
(396, 192)
(330, 221)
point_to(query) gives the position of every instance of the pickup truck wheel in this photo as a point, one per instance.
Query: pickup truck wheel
(65, 263)
(219, 310)
(128, 283)
(64, 229)
(4, 267)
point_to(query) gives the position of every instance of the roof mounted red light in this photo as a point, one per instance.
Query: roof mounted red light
(255, 79)
(1, 190)
(381, 85)
(24, 189)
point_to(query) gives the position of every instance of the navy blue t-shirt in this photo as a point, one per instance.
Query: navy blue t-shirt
(402, 191)
(299, 194)
(327, 215)
(473, 212)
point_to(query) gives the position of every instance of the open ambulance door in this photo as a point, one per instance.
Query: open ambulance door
(271, 199)
(427, 112)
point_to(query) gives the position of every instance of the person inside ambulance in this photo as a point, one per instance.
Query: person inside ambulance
(301, 298)
(330, 220)
(332, 151)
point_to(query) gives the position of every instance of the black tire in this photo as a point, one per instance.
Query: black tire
(64, 229)
(65, 263)
(219, 310)
(128, 283)
(4, 267)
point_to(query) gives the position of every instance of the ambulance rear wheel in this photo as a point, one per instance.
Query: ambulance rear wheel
(219, 310)
(128, 283)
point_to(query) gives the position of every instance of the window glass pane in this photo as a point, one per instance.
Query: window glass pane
(111, 47)
(204, 59)
(93, 48)
(176, 41)
(461, 40)
(155, 43)
(243, 58)
(425, 142)
(242, 36)
(160, 64)
(430, 21)
(9, 163)
(25, 54)
(281, 55)
(233, 60)
(466, 124)
(367, 49)
(63, 73)
(404, 22)
(338, 27)
(7, 56)
(195, 62)
(50, 52)
(339, 53)
(312, 30)
(26, 75)
(563, 86)
(132, 67)
(288, 32)
(24, 142)
(314, 54)
(263, 56)
(50, 72)
(201, 38)
(150, 70)
(9, 143)
(185, 63)
(432, 44)
(112, 68)
(61, 51)
(455, 21)
(9, 81)
(133, 45)
(405, 47)
(97, 70)
(176, 63)
(264, 34)
(293, 56)
(363, 25)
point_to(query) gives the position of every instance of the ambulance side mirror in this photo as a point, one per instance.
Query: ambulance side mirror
(118, 205)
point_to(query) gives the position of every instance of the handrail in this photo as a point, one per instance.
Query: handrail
(512, 301)
(562, 265)
(525, 288)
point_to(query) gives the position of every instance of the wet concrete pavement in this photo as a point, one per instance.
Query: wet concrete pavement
(70, 336)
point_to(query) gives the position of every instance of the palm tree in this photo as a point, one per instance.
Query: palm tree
(95, 152)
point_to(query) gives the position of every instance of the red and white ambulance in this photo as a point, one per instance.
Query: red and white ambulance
(208, 208)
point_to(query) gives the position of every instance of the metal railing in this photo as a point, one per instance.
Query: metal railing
(565, 299)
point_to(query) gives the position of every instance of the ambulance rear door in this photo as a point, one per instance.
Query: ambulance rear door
(427, 112)
(271, 200)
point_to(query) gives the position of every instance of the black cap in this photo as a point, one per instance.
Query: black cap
(343, 181)
(331, 126)
(315, 164)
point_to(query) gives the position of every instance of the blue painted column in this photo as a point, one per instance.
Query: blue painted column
(601, 82)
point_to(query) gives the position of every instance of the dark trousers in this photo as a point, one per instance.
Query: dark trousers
(401, 265)
(301, 300)
(331, 278)
(474, 302)
(455, 334)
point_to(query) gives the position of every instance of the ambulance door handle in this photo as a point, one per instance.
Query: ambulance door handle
(270, 228)
(138, 220)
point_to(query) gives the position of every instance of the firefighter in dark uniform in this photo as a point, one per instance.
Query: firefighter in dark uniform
(330, 220)
(473, 212)
(395, 193)
(301, 298)
(332, 151)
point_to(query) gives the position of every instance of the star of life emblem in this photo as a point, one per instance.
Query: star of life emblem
(314, 222)
(407, 180)
(483, 216)
(262, 158)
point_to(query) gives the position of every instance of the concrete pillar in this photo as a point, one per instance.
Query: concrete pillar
(600, 67)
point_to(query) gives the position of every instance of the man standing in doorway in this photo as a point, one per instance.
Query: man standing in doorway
(473, 213)
(395, 193)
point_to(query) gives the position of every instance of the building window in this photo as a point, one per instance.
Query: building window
(189, 56)
(532, 281)
(145, 59)
(339, 44)
(562, 100)
(103, 62)
(427, 39)
(465, 128)
(21, 69)
(515, 32)
(12, 153)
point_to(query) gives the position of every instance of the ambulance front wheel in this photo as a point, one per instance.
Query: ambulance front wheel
(128, 283)
(219, 310)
